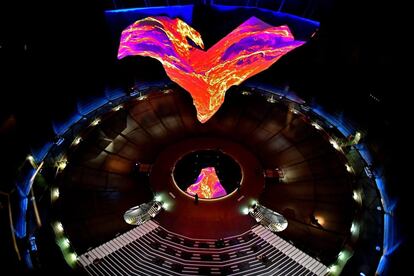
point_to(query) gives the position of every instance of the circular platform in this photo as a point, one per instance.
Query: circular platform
(212, 218)
(129, 158)
(211, 174)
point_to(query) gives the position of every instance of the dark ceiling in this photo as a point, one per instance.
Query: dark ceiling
(53, 53)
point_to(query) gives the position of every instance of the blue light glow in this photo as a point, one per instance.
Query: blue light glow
(302, 27)
(23, 188)
(391, 240)
(120, 19)
(62, 127)
(382, 266)
(275, 90)
(20, 225)
(40, 154)
(114, 94)
(184, 12)
(339, 123)
(364, 152)
(85, 108)
(388, 204)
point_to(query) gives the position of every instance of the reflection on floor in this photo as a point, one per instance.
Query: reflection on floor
(207, 185)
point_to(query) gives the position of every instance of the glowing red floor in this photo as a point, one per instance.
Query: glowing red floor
(208, 218)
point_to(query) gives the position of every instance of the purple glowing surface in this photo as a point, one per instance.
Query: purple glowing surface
(249, 49)
(207, 185)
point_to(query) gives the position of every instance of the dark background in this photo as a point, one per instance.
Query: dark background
(53, 53)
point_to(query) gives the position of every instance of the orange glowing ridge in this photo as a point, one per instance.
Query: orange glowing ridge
(207, 185)
(249, 49)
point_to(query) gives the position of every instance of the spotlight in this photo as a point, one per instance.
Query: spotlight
(335, 144)
(65, 243)
(58, 227)
(77, 141)
(62, 164)
(271, 99)
(357, 197)
(31, 160)
(315, 125)
(245, 210)
(341, 256)
(73, 257)
(332, 269)
(157, 197)
(354, 228)
(55, 193)
(95, 122)
(116, 108)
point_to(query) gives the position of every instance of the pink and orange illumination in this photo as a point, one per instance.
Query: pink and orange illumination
(207, 185)
(249, 49)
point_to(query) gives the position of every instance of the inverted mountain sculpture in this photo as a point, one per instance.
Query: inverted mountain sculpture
(249, 49)
(207, 185)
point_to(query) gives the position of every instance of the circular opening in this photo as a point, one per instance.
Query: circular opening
(210, 174)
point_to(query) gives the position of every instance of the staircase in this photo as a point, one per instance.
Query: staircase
(150, 249)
